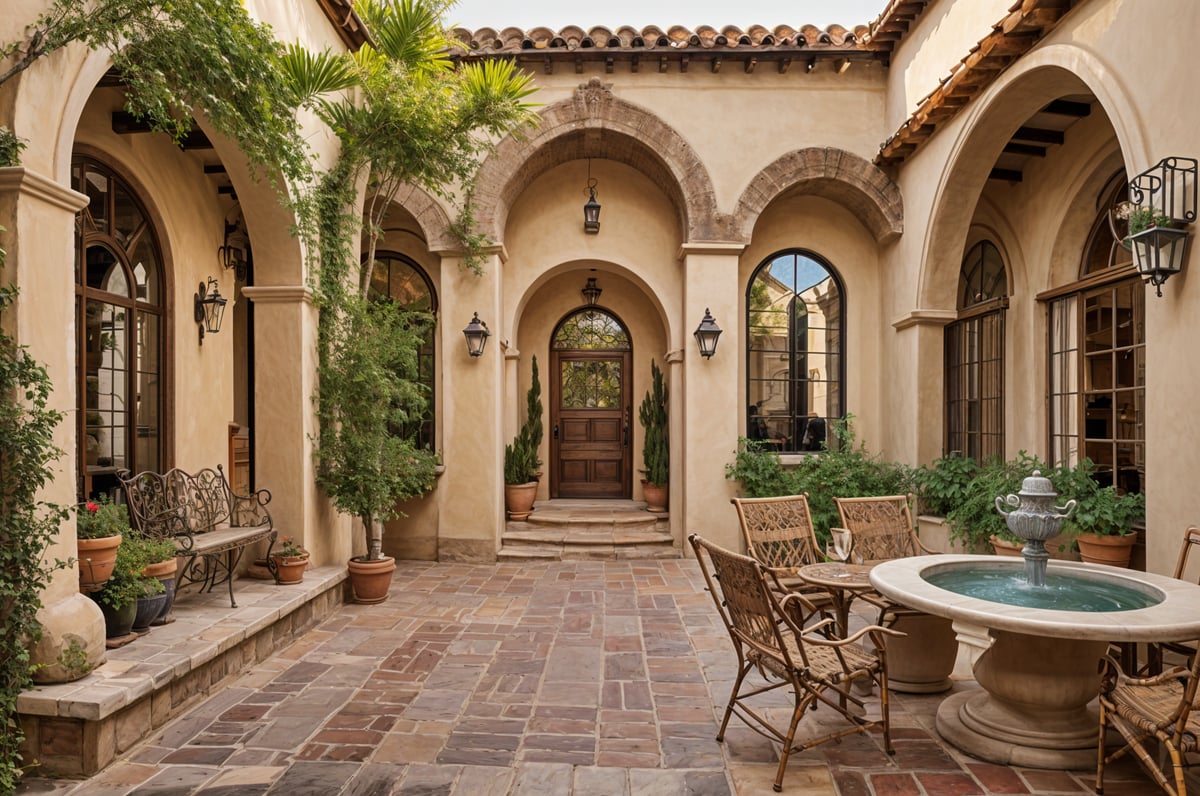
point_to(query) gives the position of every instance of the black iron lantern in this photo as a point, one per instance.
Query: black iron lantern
(209, 308)
(1158, 253)
(477, 334)
(233, 255)
(707, 334)
(591, 291)
(1163, 199)
(591, 210)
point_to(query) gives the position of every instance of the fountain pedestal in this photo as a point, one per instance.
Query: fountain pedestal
(1032, 709)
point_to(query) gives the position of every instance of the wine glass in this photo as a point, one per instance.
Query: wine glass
(839, 545)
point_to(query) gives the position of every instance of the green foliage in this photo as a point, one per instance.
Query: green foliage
(942, 486)
(846, 470)
(99, 518)
(10, 147)
(521, 460)
(975, 519)
(1141, 218)
(127, 583)
(369, 393)
(180, 57)
(656, 450)
(1098, 510)
(27, 525)
(289, 549)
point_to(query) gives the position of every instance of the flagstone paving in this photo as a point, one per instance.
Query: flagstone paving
(590, 677)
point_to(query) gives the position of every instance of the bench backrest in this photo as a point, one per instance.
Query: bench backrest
(177, 503)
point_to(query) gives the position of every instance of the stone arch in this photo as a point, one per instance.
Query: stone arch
(594, 123)
(430, 217)
(1031, 83)
(845, 178)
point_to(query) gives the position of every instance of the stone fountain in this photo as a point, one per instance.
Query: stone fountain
(1040, 634)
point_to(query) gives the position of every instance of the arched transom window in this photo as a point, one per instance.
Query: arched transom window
(794, 343)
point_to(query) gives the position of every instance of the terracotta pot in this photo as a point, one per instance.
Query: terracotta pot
(1004, 547)
(289, 569)
(519, 498)
(370, 580)
(656, 496)
(97, 557)
(1112, 550)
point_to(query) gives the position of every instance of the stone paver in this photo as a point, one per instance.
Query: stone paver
(596, 677)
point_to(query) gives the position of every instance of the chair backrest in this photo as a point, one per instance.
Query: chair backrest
(745, 601)
(779, 530)
(175, 503)
(882, 527)
(1191, 538)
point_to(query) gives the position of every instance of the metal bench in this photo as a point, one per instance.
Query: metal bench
(210, 524)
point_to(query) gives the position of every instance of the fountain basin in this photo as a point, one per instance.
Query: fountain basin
(1062, 591)
(1040, 667)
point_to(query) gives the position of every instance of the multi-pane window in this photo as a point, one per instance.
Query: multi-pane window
(1098, 359)
(794, 344)
(119, 323)
(399, 279)
(975, 357)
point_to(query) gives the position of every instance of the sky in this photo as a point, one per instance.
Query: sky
(555, 14)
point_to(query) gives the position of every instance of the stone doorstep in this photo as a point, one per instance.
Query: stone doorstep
(78, 728)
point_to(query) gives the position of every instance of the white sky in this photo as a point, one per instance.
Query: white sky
(555, 14)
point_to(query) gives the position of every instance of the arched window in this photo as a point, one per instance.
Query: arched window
(794, 343)
(119, 298)
(1097, 350)
(399, 279)
(974, 352)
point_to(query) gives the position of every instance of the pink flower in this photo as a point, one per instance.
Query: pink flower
(92, 507)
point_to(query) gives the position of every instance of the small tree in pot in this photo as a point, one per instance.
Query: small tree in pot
(656, 450)
(521, 457)
(369, 393)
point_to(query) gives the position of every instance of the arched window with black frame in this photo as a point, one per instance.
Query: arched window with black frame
(120, 324)
(974, 357)
(795, 367)
(399, 279)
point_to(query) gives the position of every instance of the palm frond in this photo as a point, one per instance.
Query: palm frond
(309, 74)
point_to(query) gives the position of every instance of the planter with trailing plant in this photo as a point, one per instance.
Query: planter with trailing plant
(521, 461)
(940, 487)
(100, 525)
(290, 561)
(162, 566)
(656, 450)
(118, 600)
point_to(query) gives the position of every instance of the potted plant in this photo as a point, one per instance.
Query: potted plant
(99, 528)
(289, 561)
(1102, 524)
(656, 450)
(118, 600)
(940, 487)
(162, 566)
(974, 521)
(366, 460)
(521, 457)
(1141, 218)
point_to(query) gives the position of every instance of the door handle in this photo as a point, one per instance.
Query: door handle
(626, 434)
(556, 430)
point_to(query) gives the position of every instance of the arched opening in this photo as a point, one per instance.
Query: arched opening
(591, 410)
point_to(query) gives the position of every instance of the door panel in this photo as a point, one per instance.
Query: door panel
(590, 415)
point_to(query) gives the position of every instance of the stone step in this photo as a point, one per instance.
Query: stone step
(589, 530)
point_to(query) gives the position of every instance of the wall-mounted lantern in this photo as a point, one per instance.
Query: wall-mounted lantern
(591, 208)
(233, 256)
(209, 308)
(591, 291)
(707, 334)
(1162, 202)
(477, 334)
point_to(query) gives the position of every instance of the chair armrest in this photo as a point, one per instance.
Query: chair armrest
(875, 631)
(926, 550)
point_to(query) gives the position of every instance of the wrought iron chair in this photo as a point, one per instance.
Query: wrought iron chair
(818, 669)
(882, 527)
(1160, 708)
(779, 535)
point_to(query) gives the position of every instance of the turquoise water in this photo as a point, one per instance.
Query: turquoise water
(1061, 592)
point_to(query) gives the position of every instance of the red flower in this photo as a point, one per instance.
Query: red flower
(92, 507)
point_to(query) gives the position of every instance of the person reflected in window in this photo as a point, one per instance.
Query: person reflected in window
(814, 434)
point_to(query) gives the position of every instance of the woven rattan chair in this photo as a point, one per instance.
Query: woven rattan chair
(1155, 652)
(1160, 708)
(882, 527)
(819, 670)
(779, 535)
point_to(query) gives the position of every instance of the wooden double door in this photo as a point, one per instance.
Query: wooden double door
(590, 420)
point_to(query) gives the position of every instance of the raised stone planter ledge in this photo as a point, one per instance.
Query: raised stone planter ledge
(78, 728)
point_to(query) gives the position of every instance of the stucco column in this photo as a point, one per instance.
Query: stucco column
(919, 339)
(285, 380)
(39, 216)
(710, 394)
(471, 493)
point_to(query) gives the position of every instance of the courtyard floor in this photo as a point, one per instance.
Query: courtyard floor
(598, 678)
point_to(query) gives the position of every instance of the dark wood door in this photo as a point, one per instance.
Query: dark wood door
(590, 425)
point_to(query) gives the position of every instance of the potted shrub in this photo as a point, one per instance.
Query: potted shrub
(1102, 523)
(521, 457)
(289, 561)
(367, 462)
(656, 450)
(162, 566)
(940, 487)
(100, 526)
(974, 521)
(118, 599)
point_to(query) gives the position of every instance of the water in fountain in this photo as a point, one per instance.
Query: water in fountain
(1058, 591)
